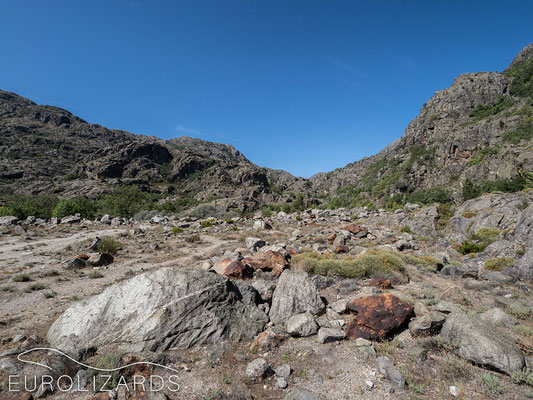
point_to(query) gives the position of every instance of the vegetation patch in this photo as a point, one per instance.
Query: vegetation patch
(481, 154)
(479, 241)
(109, 245)
(514, 184)
(522, 79)
(485, 111)
(497, 264)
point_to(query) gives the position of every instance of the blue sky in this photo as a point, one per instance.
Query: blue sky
(305, 86)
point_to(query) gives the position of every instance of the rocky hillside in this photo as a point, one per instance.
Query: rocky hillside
(46, 150)
(471, 138)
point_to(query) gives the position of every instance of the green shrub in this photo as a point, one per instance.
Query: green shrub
(406, 229)
(177, 230)
(436, 194)
(479, 241)
(497, 264)
(125, 201)
(519, 311)
(37, 286)
(485, 111)
(207, 224)
(109, 245)
(522, 79)
(493, 384)
(85, 207)
(21, 278)
(524, 132)
(481, 154)
(514, 184)
(96, 275)
(522, 377)
(24, 206)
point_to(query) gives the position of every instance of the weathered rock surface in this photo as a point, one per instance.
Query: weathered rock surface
(376, 317)
(482, 343)
(295, 293)
(267, 261)
(158, 310)
(300, 325)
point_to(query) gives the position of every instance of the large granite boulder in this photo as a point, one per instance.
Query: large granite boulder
(482, 343)
(159, 310)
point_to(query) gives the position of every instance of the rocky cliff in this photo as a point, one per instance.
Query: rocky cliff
(477, 131)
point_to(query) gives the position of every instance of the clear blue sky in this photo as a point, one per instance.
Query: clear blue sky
(306, 86)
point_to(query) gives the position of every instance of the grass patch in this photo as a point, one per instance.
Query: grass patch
(499, 263)
(21, 278)
(492, 384)
(373, 263)
(96, 275)
(523, 330)
(519, 311)
(109, 245)
(37, 286)
(485, 111)
(522, 377)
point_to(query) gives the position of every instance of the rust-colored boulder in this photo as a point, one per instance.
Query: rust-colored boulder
(377, 317)
(233, 269)
(292, 252)
(266, 340)
(331, 238)
(268, 261)
(83, 256)
(342, 249)
(381, 283)
(357, 230)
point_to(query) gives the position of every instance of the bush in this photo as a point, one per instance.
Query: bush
(522, 79)
(497, 264)
(21, 278)
(436, 194)
(85, 207)
(479, 241)
(373, 263)
(514, 184)
(493, 384)
(485, 111)
(519, 311)
(24, 206)
(125, 201)
(109, 245)
(522, 377)
(481, 154)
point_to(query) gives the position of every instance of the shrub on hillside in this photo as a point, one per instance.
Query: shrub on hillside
(80, 205)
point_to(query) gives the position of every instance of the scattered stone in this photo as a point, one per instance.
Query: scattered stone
(340, 306)
(377, 317)
(427, 324)
(264, 288)
(257, 369)
(282, 383)
(381, 283)
(73, 219)
(260, 225)
(100, 260)
(268, 339)
(95, 243)
(254, 244)
(366, 347)
(234, 269)
(267, 261)
(454, 391)
(326, 335)
(386, 367)
(369, 384)
(283, 371)
(301, 325)
(342, 249)
(482, 343)
(9, 220)
(295, 293)
(76, 263)
(331, 238)
(357, 230)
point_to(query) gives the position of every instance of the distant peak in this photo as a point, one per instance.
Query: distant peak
(524, 55)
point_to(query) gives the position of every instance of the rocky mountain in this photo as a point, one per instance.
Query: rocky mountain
(473, 136)
(47, 150)
(470, 138)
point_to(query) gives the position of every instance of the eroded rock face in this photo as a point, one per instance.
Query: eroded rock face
(267, 261)
(234, 269)
(158, 310)
(295, 293)
(482, 343)
(377, 316)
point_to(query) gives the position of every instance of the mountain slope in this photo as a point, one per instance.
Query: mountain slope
(476, 132)
(46, 150)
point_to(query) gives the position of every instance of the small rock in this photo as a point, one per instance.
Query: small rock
(369, 384)
(326, 335)
(427, 324)
(498, 317)
(301, 325)
(386, 367)
(100, 260)
(264, 288)
(283, 371)
(282, 383)
(454, 391)
(257, 369)
(76, 263)
(254, 244)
